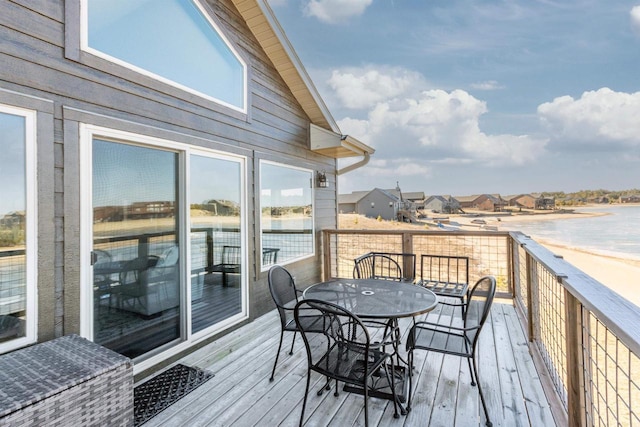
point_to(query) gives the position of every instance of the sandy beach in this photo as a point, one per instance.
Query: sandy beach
(618, 274)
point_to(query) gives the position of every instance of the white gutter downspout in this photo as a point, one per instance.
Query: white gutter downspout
(356, 165)
(359, 164)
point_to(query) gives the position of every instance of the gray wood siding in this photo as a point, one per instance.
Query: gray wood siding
(34, 54)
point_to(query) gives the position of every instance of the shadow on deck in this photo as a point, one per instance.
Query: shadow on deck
(240, 394)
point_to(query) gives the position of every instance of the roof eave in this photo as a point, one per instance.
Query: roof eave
(267, 30)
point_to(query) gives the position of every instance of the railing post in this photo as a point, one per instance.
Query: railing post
(407, 248)
(532, 292)
(209, 232)
(575, 361)
(326, 254)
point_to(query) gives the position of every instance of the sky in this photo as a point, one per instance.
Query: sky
(466, 97)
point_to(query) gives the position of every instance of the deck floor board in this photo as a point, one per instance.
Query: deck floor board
(241, 394)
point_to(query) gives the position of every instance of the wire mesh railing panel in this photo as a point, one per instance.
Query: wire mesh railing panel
(612, 376)
(345, 247)
(13, 282)
(520, 285)
(488, 254)
(550, 327)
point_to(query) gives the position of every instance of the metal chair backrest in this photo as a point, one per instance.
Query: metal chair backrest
(231, 255)
(341, 328)
(478, 306)
(269, 256)
(444, 268)
(383, 265)
(283, 291)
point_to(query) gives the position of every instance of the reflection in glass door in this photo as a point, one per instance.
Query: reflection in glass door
(216, 240)
(136, 273)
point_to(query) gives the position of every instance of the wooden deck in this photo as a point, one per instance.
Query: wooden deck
(240, 394)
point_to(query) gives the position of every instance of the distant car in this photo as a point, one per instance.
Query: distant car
(478, 221)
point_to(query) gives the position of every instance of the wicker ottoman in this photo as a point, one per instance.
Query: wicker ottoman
(69, 381)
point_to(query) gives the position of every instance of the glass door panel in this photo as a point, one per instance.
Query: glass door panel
(13, 220)
(136, 267)
(216, 241)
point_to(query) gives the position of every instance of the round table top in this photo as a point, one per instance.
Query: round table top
(374, 298)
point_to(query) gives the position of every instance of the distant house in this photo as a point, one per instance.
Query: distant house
(599, 199)
(527, 201)
(532, 201)
(347, 202)
(386, 204)
(441, 204)
(630, 199)
(544, 203)
(483, 202)
(13, 219)
(378, 203)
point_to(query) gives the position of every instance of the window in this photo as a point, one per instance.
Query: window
(286, 207)
(17, 228)
(174, 41)
(158, 218)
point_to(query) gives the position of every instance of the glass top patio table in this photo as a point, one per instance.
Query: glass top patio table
(375, 298)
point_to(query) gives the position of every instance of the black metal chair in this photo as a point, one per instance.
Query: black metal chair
(453, 340)
(385, 266)
(399, 267)
(445, 276)
(345, 353)
(285, 296)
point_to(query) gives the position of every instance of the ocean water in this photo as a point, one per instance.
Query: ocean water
(615, 234)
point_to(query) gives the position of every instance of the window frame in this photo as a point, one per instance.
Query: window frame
(31, 228)
(313, 213)
(88, 133)
(84, 47)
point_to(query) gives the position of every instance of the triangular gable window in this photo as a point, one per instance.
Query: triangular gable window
(172, 40)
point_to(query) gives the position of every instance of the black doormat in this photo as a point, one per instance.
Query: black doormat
(157, 394)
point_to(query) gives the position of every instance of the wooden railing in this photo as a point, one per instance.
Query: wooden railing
(585, 338)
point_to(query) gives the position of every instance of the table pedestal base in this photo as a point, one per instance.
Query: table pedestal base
(379, 386)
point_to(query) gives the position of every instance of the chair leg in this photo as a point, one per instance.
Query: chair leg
(471, 372)
(327, 387)
(292, 342)
(410, 367)
(306, 393)
(366, 399)
(277, 355)
(484, 405)
(391, 379)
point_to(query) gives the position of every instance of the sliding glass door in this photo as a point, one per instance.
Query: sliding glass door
(136, 263)
(167, 260)
(217, 249)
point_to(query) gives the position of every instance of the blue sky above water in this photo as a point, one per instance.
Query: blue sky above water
(462, 97)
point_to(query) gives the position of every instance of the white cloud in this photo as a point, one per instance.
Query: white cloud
(598, 118)
(635, 19)
(335, 11)
(364, 87)
(438, 126)
(487, 85)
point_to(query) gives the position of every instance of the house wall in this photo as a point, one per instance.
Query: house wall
(43, 69)
(526, 202)
(434, 205)
(347, 208)
(381, 206)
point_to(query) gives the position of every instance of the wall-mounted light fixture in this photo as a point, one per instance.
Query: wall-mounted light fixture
(390, 204)
(373, 205)
(322, 180)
